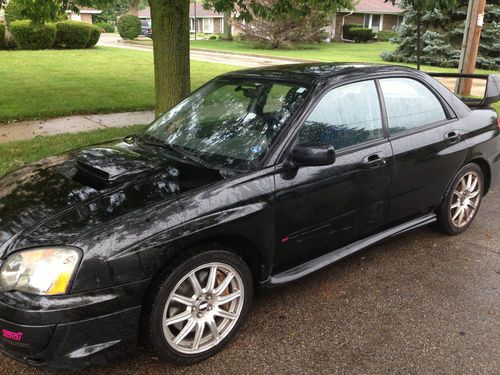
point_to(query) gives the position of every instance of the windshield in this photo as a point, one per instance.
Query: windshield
(229, 123)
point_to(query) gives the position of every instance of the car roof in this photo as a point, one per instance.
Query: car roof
(315, 72)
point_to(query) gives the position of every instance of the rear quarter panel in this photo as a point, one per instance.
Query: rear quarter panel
(483, 139)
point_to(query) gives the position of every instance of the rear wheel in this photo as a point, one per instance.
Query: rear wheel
(462, 201)
(200, 306)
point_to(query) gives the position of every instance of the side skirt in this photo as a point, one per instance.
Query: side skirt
(336, 255)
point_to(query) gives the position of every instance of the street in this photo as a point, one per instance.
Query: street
(422, 303)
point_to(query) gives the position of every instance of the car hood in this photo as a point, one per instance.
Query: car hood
(57, 199)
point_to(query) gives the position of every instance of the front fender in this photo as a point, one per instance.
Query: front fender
(138, 245)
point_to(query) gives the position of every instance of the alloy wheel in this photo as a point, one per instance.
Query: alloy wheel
(203, 308)
(465, 199)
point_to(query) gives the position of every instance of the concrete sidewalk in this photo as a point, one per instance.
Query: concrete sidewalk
(22, 130)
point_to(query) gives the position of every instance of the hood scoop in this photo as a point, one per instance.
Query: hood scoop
(99, 166)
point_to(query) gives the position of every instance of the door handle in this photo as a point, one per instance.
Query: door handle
(452, 137)
(374, 161)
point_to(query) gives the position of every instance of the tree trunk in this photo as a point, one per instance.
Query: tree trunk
(170, 23)
(228, 35)
(133, 7)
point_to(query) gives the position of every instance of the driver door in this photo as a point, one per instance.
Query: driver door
(322, 208)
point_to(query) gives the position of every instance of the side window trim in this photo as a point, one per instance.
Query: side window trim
(383, 110)
(420, 129)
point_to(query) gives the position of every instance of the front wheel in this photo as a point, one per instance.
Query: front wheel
(462, 201)
(200, 306)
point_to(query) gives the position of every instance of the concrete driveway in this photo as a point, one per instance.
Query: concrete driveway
(422, 303)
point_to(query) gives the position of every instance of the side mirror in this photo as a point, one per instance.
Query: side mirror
(312, 154)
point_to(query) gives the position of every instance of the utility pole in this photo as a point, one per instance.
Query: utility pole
(470, 45)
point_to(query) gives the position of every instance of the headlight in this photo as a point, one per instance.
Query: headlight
(43, 271)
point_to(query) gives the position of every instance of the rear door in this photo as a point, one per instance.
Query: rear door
(427, 146)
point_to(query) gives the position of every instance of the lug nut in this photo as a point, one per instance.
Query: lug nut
(200, 315)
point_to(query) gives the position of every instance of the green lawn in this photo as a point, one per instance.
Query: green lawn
(335, 52)
(15, 154)
(41, 84)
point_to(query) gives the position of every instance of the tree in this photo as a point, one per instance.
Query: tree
(421, 6)
(111, 11)
(281, 22)
(40, 11)
(171, 37)
(442, 34)
(283, 31)
(170, 22)
(133, 7)
(228, 24)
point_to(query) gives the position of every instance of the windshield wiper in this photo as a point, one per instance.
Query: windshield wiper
(195, 159)
(180, 151)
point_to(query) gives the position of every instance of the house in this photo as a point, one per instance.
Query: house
(200, 20)
(374, 14)
(85, 14)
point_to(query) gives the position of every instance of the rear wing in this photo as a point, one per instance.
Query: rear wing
(491, 92)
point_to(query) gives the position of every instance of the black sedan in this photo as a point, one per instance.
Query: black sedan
(258, 178)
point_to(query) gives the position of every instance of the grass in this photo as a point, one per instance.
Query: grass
(334, 52)
(42, 84)
(16, 154)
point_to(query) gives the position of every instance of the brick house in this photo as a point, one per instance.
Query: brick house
(374, 14)
(200, 20)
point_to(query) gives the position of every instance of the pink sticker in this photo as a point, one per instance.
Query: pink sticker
(15, 336)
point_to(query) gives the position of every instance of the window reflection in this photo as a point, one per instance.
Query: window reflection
(409, 104)
(345, 116)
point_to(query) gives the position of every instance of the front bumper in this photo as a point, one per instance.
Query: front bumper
(71, 332)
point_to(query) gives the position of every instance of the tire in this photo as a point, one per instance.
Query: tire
(180, 308)
(464, 194)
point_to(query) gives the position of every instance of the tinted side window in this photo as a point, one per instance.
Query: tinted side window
(346, 116)
(409, 104)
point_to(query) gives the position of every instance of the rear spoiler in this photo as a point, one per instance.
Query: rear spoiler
(491, 94)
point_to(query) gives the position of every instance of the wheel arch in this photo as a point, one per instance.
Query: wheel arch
(241, 245)
(485, 168)
(247, 249)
